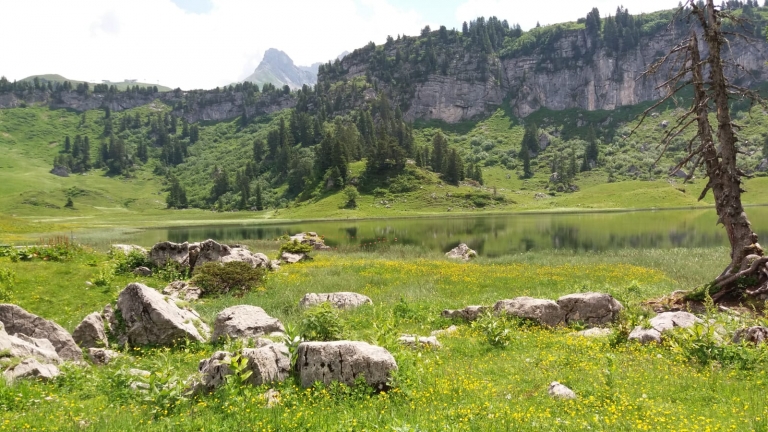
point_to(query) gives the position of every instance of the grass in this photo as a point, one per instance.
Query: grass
(466, 385)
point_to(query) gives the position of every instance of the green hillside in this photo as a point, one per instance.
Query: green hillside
(121, 86)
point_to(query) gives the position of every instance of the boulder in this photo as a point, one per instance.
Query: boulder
(664, 124)
(661, 323)
(292, 258)
(446, 331)
(462, 252)
(151, 319)
(126, 249)
(593, 309)
(142, 271)
(245, 321)
(43, 344)
(268, 364)
(755, 335)
(31, 368)
(17, 320)
(20, 348)
(101, 356)
(165, 252)
(344, 361)
(183, 291)
(419, 341)
(312, 239)
(594, 332)
(60, 171)
(762, 166)
(341, 300)
(90, 332)
(559, 391)
(545, 312)
(469, 313)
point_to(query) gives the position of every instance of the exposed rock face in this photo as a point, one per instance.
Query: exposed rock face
(20, 348)
(545, 312)
(341, 300)
(150, 319)
(278, 69)
(182, 290)
(661, 323)
(90, 332)
(17, 320)
(31, 368)
(591, 308)
(755, 335)
(245, 321)
(469, 313)
(101, 356)
(344, 361)
(462, 252)
(190, 255)
(268, 364)
(559, 391)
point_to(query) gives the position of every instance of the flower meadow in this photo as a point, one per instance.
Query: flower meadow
(466, 385)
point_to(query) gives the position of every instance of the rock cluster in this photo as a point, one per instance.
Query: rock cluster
(267, 364)
(190, 255)
(20, 322)
(341, 300)
(661, 323)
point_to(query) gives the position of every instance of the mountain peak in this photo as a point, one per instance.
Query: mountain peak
(278, 69)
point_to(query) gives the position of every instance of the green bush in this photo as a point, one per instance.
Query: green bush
(216, 278)
(705, 343)
(321, 323)
(295, 247)
(7, 282)
(495, 329)
(127, 262)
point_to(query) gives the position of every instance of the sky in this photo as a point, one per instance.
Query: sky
(207, 43)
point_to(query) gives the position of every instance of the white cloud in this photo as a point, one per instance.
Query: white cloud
(527, 13)
(157, 42)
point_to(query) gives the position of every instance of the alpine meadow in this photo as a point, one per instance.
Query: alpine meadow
(489, 227)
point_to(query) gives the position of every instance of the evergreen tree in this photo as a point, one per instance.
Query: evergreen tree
(572, 168)
(67, 144)
(220, 183)
(258, 150)
(525, 156)
(339, 161)
(244, 187)
(177, 195)
(142, 152)
(765, 143)
(453, 169)
(259, 198)
(439, 152)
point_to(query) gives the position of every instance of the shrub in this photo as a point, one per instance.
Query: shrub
(321, 323)
(105, 277)
(127, 262)
(216, 278)
(495, 329)
(351, 194)
(704, 344)
(295, 247)
(7, 282)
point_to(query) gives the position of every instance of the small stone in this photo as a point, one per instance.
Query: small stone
(101, 356)
(418, 341)
(559, 391)
(142, 271)
(341, 300)
(450, 330)
(595, 332)
(462, 252)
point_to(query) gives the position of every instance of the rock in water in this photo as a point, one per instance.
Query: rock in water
(245, 321)
(90, 332)
(341, 300)
(462, 252)
(544, 312)
(344, 361)
(31, 368)
(559, 391)
(590, 308)
(755, 335)
(150, 319)
(17, 320)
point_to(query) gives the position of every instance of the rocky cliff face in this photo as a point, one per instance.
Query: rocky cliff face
(193, 106)
(576, 74)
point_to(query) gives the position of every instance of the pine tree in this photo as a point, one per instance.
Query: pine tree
(259, 198)
(339, 161)
(244, 187)
(220, 183)
(67, 144)
(525, 156)
(530, 140)
(439, 150)
(572, 168)
(177, 195)
(452, 173)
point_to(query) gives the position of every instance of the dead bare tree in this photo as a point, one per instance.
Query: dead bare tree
(714, 148)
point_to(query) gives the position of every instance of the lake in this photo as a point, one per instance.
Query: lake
(489, 235)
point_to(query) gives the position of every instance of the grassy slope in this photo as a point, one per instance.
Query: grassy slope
(467, 385)
(32, 199)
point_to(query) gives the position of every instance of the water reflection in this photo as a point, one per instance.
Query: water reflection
(491, 235)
